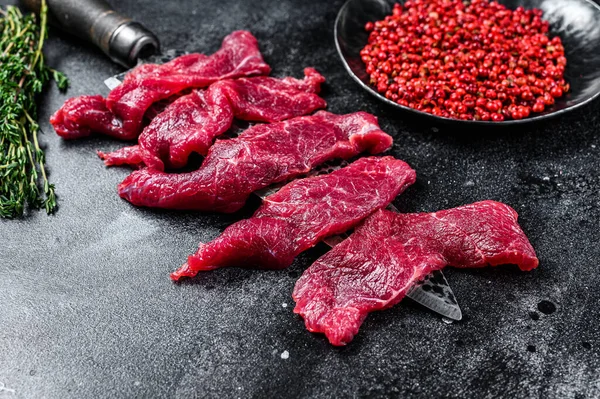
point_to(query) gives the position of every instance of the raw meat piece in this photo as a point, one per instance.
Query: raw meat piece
(192, 122)
(131, 156)
(373, 268)
(301, 214)
(80, 116)
(260, 156)
(189, 124)
(238, 56)
(123, 111)
(266, 99)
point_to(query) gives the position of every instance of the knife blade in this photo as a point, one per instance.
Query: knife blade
(435, 294)
(159, 58)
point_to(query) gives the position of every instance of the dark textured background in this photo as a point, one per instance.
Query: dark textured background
(87, 309)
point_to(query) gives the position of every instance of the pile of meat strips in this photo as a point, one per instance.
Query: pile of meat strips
(181, 107)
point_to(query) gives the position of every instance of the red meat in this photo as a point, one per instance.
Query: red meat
(266, 99)
(260, 156)
(131, 156)
(123, 111)
(192, 122)
(80, 116)
(189, 124)
(301, 214)
(373, 268)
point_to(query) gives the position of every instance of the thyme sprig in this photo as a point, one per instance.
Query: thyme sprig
(23, 74)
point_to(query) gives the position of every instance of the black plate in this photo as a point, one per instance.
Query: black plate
(577, 22)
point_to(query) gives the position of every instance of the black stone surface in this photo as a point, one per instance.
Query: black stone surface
(87, 309)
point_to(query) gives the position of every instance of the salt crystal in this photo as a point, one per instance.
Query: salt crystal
(285, 355)
(284, 305)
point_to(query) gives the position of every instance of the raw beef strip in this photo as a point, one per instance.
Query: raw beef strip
(192, 122)
(373, 268)
(131, 156)
(266, 99)
(189, 124)
(80, 116)
(123, 111)
(260, 156)
(301, 214)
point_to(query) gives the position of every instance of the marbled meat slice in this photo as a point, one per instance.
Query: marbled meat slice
(266, 99)
(262, 155)
(301, 214)
(373, 268)
(123, 111)
(192, 122)
(83, 115)
(189, 124)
